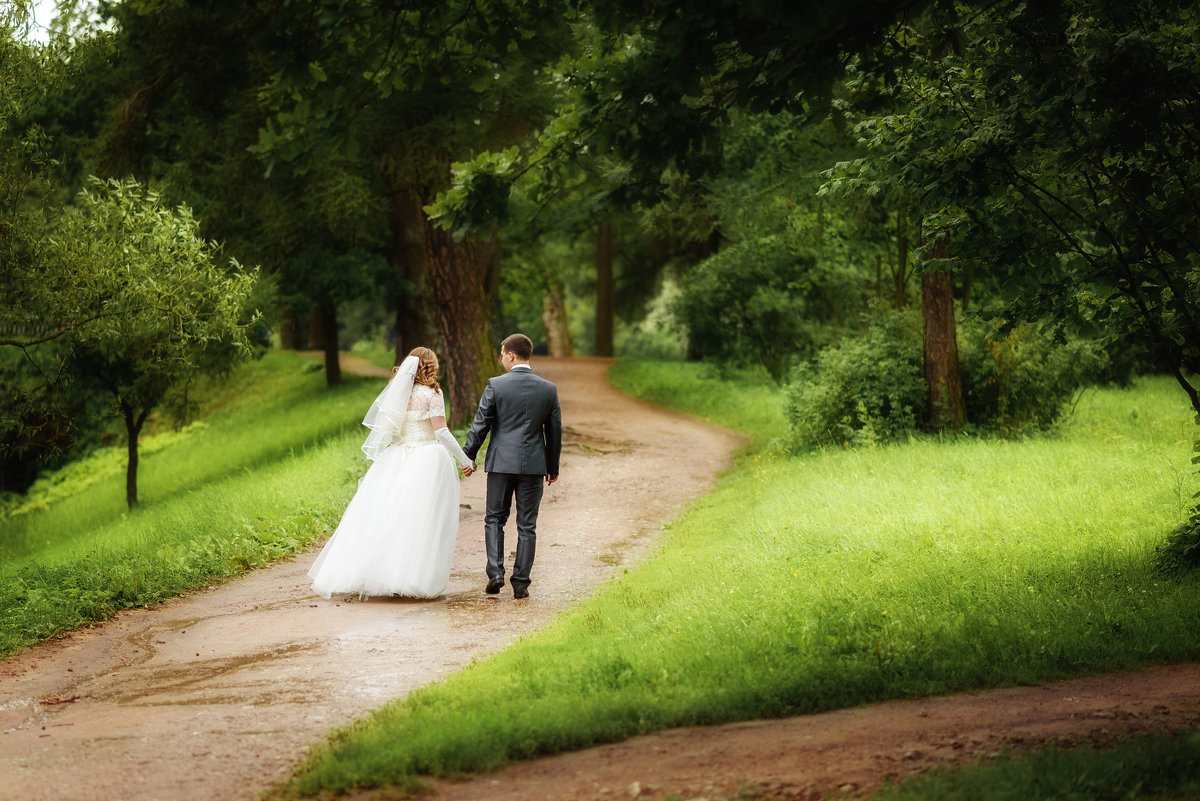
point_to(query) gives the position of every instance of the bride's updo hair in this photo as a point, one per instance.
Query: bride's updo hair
(427, 369)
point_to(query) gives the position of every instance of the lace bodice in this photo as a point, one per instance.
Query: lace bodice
(424, 403)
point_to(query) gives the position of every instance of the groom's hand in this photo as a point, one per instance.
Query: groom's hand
(551, 479)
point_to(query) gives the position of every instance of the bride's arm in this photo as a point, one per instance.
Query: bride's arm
(448, 441)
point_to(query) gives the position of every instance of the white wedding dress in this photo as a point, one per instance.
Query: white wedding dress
(398, 532)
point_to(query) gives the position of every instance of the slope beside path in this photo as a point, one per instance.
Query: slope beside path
(218, 694)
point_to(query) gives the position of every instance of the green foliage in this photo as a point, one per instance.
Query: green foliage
(41, 420)
(666, 77)
(151, 284)
(1181, 551)
(864, 390)
(751, 303)
(870, 389)
(1054, 143)
(794, 270)
(136, 293)
(1154, 766)
(656, 335)
(844, 577)
(334, 272)
(481, 191)
(1021, 381)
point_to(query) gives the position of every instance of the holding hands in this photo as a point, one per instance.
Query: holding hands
(468, 469)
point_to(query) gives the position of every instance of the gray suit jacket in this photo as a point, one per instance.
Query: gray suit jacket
(520, 410)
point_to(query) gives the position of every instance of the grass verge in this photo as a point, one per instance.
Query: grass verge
(264, 474)
(1149, 767)
(743, 401)
(833, 579)
(275, 406)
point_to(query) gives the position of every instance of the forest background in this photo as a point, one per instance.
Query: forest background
(941, 215)
(932, 222)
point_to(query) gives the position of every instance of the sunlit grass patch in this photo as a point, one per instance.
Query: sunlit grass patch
(746, 402)
(834, 579)
(260, 478)
(282, 407)
(179, 544)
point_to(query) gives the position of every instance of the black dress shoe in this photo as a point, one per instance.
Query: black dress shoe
(519, 594)
(493, 586)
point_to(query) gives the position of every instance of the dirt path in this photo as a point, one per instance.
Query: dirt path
(218, 694)
(850, 750)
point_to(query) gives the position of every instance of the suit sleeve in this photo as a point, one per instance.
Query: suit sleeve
(552, 430)
(485, 417)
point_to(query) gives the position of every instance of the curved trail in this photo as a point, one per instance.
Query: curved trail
(218, 694)
(850, 751)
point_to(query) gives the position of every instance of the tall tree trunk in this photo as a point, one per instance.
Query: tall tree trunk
(604, 289)
(554, 320)
(941, 346)
(409, 260)
(329, 323)
(316, 329)
(288, 339)
(457, 271)
(133, 430)
(900, 276)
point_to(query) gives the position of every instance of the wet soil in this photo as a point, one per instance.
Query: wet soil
(218, 694)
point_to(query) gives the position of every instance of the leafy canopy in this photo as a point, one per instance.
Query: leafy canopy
(159, 307)
(1056, 145)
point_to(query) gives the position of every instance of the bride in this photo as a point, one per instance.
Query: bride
(397, 535)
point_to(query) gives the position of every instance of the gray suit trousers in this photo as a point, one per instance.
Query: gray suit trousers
(501, 487)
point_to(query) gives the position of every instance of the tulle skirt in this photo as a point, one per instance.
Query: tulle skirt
(397, 535)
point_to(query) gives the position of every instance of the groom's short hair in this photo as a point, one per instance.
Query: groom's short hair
(518, 345)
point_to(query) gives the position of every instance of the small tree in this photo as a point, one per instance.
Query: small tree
(164, 311)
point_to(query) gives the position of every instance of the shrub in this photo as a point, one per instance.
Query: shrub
(866, 389)
(1181, 551)
(1021, 381)
(871, 388)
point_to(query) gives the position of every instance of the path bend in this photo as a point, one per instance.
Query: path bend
(217, 695)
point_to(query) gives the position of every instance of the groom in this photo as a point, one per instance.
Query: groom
(521, 411)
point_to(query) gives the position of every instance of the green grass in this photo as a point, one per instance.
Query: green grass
(281, 406)
(745, 402)
(1148, 767)
(834, 579)
(375, 352)
(267, 471)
